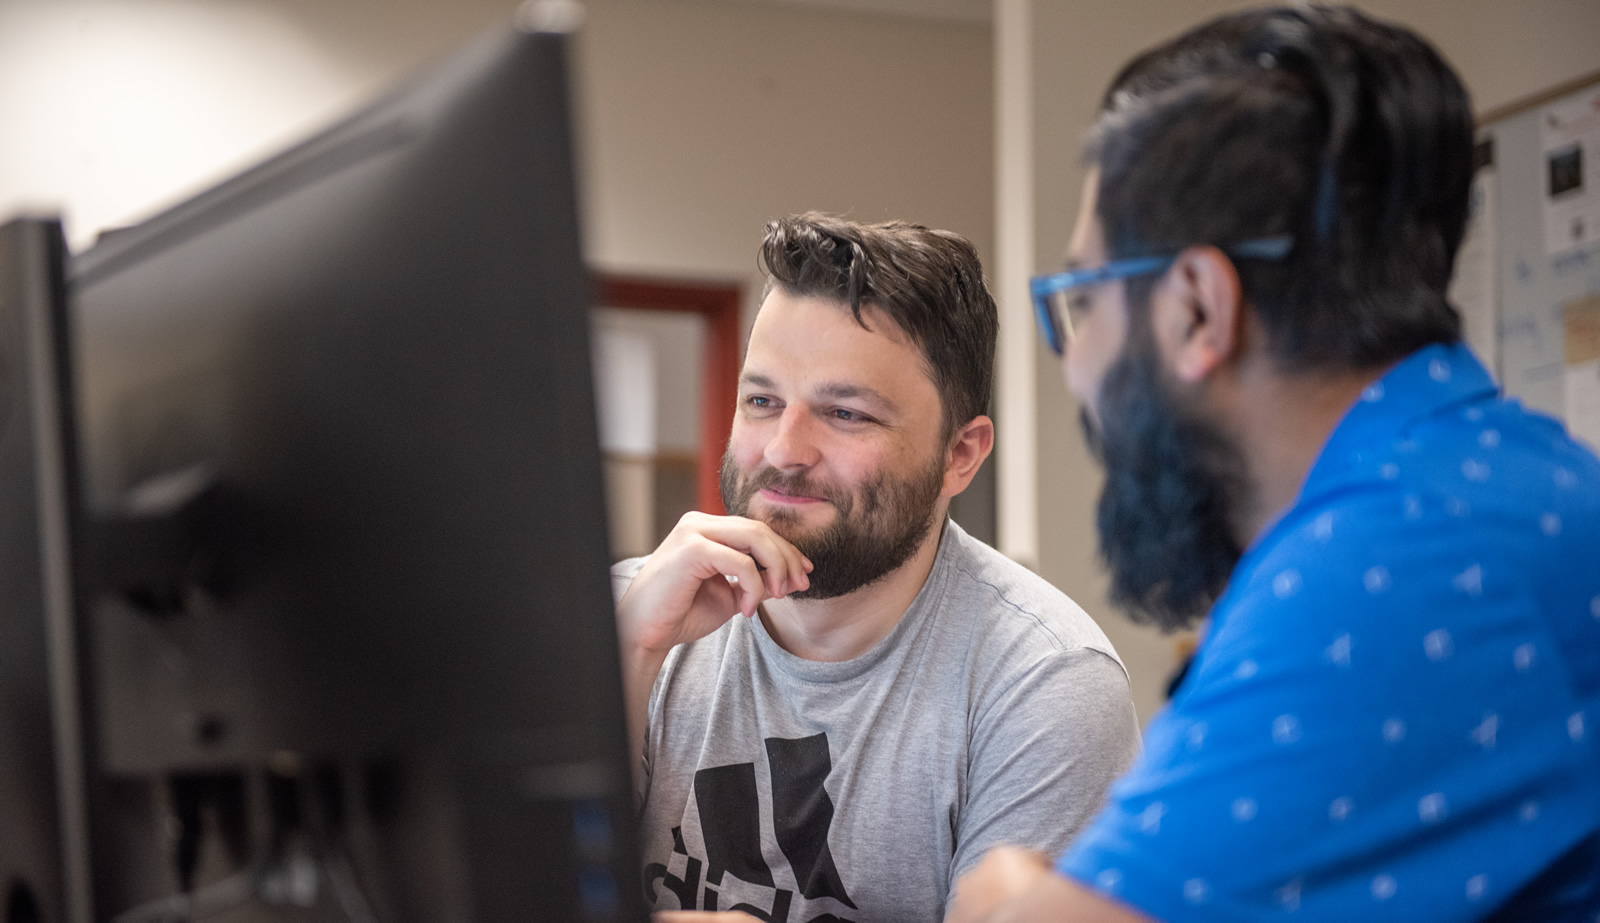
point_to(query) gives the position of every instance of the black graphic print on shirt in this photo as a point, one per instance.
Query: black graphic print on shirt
(731, 827)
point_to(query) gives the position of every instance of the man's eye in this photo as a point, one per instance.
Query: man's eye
(758, 402)
(1078, 304)
(848, 416)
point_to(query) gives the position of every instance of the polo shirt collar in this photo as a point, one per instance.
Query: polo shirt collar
(1431, 380)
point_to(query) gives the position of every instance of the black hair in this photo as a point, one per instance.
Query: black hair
(1350, 134)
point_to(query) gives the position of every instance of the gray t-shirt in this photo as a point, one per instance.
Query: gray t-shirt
(995, 712)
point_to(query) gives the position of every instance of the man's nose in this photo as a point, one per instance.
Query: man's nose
(794, 444)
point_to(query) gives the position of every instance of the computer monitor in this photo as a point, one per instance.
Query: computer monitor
(32, 542)
(345, 636)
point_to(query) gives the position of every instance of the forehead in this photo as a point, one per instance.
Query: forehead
(1088, 237)
(799, 340)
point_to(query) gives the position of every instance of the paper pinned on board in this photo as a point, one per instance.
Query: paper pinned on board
(1581, 323)
(1570, 132)
(1474, 289)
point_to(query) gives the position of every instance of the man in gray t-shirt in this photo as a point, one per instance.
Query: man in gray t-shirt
(840, 699)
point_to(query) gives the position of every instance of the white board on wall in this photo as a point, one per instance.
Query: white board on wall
(1546, 183)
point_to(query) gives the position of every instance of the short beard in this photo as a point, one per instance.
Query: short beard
(860, 547)
(1174, 483)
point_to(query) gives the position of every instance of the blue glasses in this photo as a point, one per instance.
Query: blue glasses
(1054, 313)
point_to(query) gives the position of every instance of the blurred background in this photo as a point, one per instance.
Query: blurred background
(699, 120)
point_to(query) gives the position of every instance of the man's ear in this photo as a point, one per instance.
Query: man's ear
(971, 444)
(1196, 313)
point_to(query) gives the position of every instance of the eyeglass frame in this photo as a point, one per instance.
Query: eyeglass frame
(1058, 333)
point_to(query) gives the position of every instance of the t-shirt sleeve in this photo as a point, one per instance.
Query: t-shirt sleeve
(1377, 728)
(1043, 752)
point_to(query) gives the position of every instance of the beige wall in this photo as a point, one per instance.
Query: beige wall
(1504, 52)
(702, 119)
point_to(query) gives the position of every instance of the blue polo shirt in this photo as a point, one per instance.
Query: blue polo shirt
(1395, 714)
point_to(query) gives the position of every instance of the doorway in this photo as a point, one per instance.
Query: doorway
(666, 360)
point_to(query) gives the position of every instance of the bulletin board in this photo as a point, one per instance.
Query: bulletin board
(1528, 275)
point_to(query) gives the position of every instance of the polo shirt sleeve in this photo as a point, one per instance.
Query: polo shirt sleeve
(1377, 727)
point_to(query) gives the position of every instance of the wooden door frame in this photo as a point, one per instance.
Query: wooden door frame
(718, 303)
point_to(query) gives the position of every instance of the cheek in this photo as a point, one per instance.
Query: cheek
(1088, 358)
(1083, 372)
(746, 445)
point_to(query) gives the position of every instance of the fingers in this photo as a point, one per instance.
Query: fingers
(784, 569)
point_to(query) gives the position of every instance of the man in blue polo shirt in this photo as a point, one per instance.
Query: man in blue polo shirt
(1395, 712)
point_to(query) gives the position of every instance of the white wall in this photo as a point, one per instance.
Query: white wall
(1504, 52)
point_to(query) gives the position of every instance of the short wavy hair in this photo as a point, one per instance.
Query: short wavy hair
(929, 282)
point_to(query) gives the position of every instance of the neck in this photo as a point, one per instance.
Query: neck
(845, 627)
(1284, 420)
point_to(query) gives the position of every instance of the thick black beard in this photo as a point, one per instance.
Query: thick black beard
(858, 548)
(1174, 482)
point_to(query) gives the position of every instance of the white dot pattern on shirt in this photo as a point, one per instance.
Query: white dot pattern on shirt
(1289, 895)
(1373, 393)
(1384, 887)
(1438, 645)
(1150, 818)
(1431, 808)
(1439, 370)
(1484, 734)
(1473, 413)
(1339, 651)
(1477, 886)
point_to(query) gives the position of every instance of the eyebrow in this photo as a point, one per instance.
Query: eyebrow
(836, 390)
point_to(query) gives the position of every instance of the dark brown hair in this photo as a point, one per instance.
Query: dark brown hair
(929, 282)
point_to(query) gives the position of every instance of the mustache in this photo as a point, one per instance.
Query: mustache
(797, 484)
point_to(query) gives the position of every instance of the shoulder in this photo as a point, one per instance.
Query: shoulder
(1019, 635)
(622, 574)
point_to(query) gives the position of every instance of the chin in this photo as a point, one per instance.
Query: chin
(791, 525)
